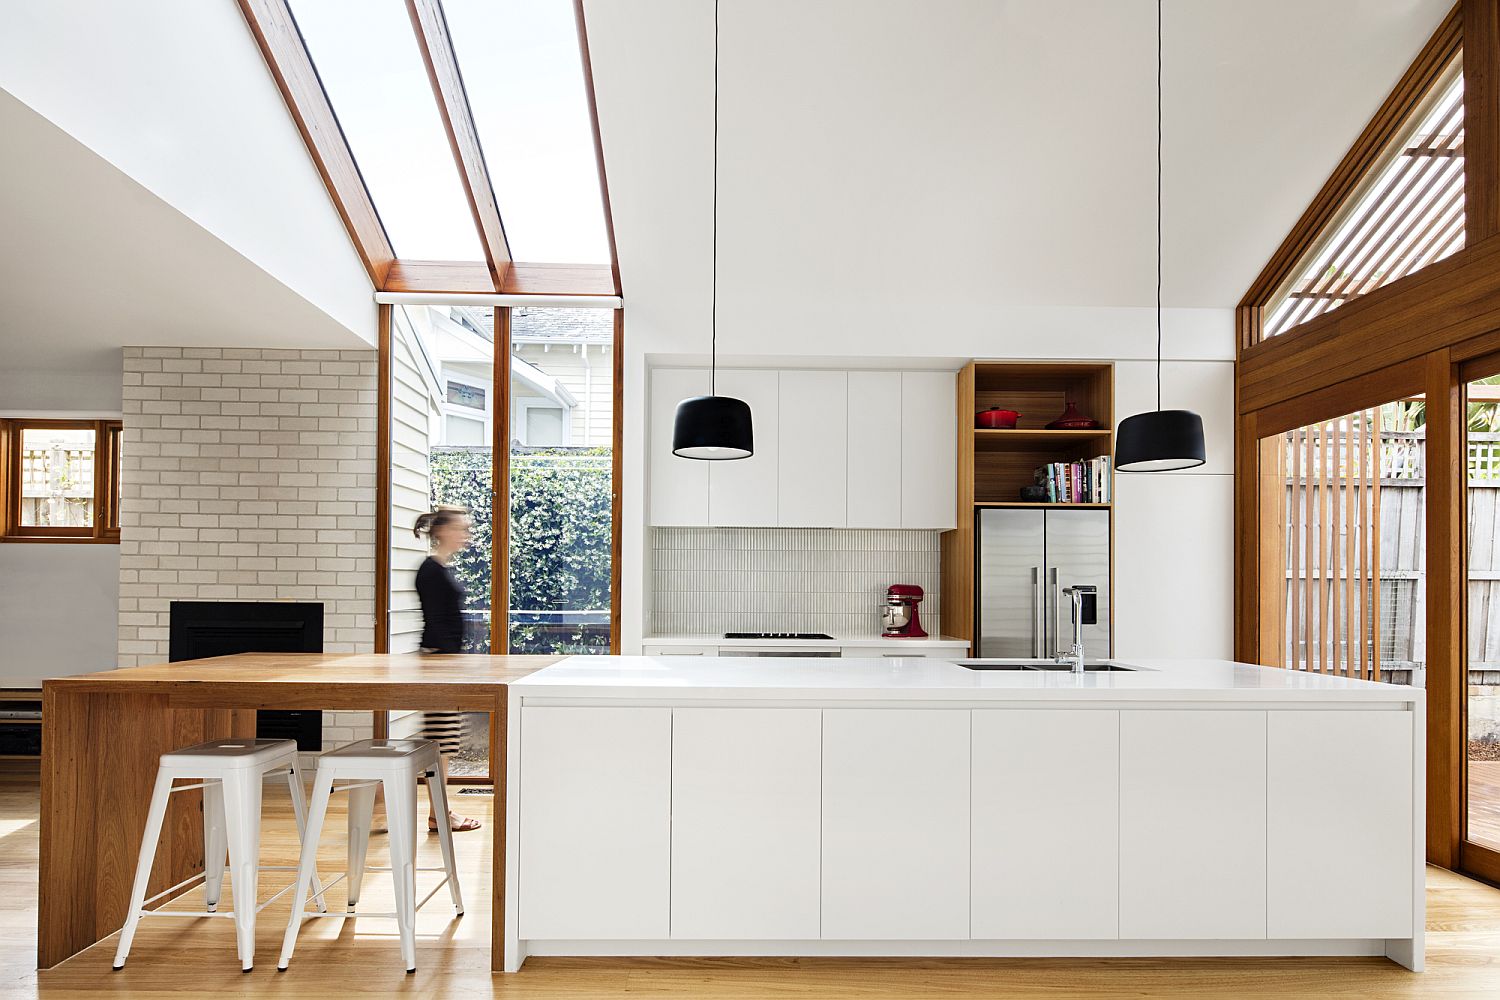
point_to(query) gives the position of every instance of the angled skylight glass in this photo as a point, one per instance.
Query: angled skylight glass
(523, 73)
(371, 68)
(1410, 213)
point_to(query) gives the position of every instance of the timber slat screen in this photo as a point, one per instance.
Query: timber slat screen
(1331, 546)
(1410, 213)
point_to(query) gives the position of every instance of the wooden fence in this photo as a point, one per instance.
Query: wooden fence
(1331, 511)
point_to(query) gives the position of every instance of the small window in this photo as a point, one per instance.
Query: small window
(471, 396)
(62, 479)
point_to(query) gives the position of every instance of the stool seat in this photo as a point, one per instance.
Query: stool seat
(220, 754)
(380, 755)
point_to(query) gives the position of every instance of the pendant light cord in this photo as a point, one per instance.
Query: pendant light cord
(713, 362)
(1158, 203)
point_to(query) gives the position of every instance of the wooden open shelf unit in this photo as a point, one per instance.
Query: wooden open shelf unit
(993, 465)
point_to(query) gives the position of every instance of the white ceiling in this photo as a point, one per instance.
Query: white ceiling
(889, 168)
(883, 150)
(93, 261)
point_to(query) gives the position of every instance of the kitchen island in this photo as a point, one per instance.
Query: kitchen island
(720, 806)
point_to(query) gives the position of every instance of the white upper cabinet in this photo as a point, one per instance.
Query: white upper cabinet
(873, 462)
(679, 486)
(814, 437)
(929, 450)
(744, 491)
(833, 449)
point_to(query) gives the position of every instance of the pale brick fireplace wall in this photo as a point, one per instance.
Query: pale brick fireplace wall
(249, 475)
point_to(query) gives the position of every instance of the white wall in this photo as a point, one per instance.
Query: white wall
(83, 395)
(57, 610)
(175, 94)
(58, 601)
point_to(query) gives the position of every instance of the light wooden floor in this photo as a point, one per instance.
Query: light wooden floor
(181, 957)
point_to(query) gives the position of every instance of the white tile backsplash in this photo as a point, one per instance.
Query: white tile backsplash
(712, 580)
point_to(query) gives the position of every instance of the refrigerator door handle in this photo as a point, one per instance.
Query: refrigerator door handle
(1053, 649)
(1038, 611)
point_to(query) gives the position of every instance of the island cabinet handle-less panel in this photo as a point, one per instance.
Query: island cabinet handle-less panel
(746, 820)
(1340, 866)
(596, 831)
(1057, 878)
(1193, 824)
(895, 824)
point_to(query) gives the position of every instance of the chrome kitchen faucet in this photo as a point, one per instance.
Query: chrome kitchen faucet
(1085, 612)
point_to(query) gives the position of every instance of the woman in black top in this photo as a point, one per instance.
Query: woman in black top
(442, 597)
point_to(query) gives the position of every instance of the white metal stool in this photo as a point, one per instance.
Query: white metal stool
(395, 765)
(231, 772)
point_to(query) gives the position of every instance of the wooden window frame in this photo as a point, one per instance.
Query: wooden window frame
(107, 438)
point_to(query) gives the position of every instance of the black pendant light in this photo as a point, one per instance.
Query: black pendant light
(1159, 440)
(713, 428)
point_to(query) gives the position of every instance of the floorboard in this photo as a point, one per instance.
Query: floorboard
(181, 957)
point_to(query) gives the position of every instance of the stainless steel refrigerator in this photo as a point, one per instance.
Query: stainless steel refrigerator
(1026, 558)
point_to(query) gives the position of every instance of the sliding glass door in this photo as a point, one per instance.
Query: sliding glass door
(1481, 727)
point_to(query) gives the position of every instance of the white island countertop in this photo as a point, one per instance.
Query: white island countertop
(909, 679)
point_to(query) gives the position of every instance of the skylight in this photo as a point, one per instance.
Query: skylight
(1411, 214)
(523, 73)
(371, 68)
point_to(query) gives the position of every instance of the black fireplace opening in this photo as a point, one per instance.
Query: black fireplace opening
(220, 628)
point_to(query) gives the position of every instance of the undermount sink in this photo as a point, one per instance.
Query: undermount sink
(1091, 666)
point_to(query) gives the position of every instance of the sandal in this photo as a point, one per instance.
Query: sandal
(458, 824)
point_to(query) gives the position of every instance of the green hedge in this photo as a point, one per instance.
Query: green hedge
(559, 538)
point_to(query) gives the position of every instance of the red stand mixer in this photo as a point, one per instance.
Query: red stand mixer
(899, 615)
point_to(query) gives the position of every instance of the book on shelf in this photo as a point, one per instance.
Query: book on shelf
(1077, 482)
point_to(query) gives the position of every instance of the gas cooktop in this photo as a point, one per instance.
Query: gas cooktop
(777, 635)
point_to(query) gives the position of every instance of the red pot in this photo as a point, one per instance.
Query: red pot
(996, 418)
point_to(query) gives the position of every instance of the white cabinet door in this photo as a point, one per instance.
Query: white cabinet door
(1340, 798)
(596, 813)
(743, 492)
(929, 450)
(874, 459)
(812, 477)
(1192, 824)
(895, 824)
(745, 823)
(1046, 813)
(679, 486)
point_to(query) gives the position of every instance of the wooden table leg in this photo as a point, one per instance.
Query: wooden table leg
(99, 759)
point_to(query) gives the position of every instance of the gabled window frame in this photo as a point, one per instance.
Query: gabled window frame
(1344, 187)
(108, 435)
